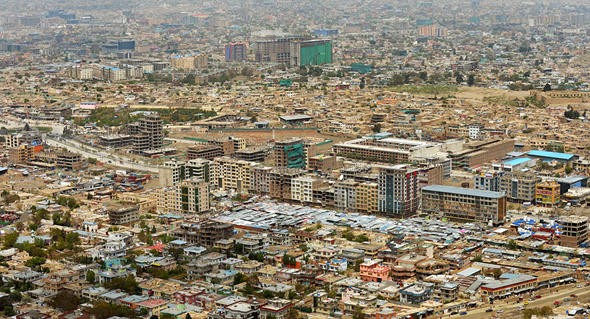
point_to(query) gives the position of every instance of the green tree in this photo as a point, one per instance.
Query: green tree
(289, 260)
(104, 310)
(90, 276)
(10, 240)
(512, 245)
(470, 80)
(477, 258)
(127, 284)
(376, 128)
(35, 262)
(240, 278)
(358, 313)
(65, 301)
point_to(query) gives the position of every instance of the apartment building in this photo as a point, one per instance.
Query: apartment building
(121, 214)
(547, 194)
(289, 153)
(280, 181)
(148, 133)
(398, 190)
(115, 141)
(487, 181)
(260, 179)
(189, 62)
(302, 188)
(367, 197)
(204, 233)
(345, 194)
(275, 50)
(574, 230)
(21, 154)
(463, 204)
(392, 150)
(519, 186)
(204, 151)
(477, 153)
(174, 171)
(190, 196)
(230, 173)
(194, 196)
(235, 52)
(258, 154)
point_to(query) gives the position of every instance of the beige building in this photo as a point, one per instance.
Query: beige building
(230, 173)
(190, 196)
(189, 62)
(302, 188)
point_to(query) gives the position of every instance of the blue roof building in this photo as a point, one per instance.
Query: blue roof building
(551, 156)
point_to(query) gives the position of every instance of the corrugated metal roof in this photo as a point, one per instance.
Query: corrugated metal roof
(463, 191)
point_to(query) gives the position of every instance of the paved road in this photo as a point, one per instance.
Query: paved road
(92, 152)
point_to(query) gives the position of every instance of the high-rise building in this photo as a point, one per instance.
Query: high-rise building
(310, 52)
(230, 173)
(148, 133)
(235, 52)
(290, 153)
(464, 204)
(128, 45)
(174, 171)
(277, 50)
(189, 62)
(398, 190)
(194, 196)
(345, 194)
(302, 188)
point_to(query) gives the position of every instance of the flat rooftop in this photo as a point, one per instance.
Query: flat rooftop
(517, 161)
(463, 191)
(552, 155)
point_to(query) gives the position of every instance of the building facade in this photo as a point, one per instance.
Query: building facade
(398, 190)
(462, 204)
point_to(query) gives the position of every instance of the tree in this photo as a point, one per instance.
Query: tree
(358, 313)
(90, 276)
(10, 240)
(240, 278)
(477, 258)
(376, 128)
(497, 273)
(470, 80)
(104, 310)
(512, 244)
(65, 301)
(188, 316)
(571, 114)
(289, 260)
(459, 78)
(267, 294)
(35, 262)
(127, 284)
(547, 87)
